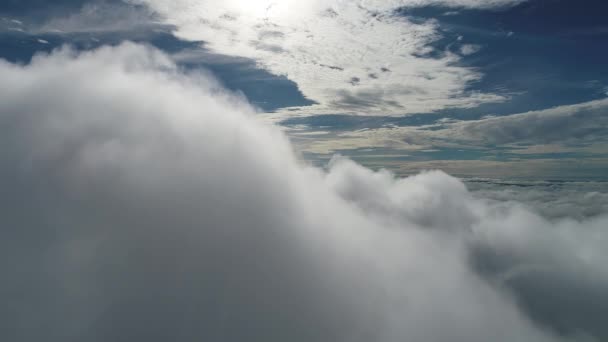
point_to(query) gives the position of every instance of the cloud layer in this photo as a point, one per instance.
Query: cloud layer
(144, 204)
(552, 199)
(571, 128)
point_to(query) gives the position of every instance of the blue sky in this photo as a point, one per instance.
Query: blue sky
(463, 85)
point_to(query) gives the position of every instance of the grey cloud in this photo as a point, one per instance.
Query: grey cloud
(571, 301)
(102, 16)
(557, 288)
(360, 100)
(270, 35)
(333, 67)
(143, 204)
(89, 17)
(267, 47)
(557, 291)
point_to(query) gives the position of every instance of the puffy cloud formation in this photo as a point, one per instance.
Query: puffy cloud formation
(140, 203)
(356, 57)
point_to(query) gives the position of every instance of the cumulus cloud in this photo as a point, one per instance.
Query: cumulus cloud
(144, 204)
(355, 57)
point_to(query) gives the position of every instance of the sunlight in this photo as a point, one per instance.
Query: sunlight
(261, 9)
(278, 10)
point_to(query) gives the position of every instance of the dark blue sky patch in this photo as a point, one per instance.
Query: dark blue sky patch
(19, 47)
(31, 8)
(264, 90)
(541, 54)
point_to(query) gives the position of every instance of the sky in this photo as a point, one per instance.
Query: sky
(370, 170)
(398, 84)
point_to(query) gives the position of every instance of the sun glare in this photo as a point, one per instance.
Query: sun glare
(262, 8)
(256, 8)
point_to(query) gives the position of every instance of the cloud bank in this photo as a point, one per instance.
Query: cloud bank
(352, 57)
(144, 204)
(570, 128)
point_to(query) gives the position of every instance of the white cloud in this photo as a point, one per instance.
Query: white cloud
(352, 57)
(469, 49)
(145, 204)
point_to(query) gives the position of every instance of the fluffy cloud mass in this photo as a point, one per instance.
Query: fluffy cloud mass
(143, 204)
(355, 57)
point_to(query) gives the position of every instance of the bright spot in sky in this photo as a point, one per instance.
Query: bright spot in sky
(258, 8)
(263, 9)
